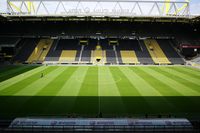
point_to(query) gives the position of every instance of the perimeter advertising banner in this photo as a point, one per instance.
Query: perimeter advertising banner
(69, 122)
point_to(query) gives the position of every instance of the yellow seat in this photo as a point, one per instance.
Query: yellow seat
(68, 56)
(98, 54)
(40, 51)
(46, 48)
(129, 56)
(156, 52)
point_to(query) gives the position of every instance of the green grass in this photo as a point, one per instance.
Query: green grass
(11, 71)
(86, 90)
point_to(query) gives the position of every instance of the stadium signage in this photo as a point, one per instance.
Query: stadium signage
(61, 122)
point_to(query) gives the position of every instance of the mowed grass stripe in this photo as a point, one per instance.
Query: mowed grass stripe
(58, 80)
(72, 86)
(13, 89)
(163, 88)
(181, 78)
(189, 77)
(189, 71)
(15, 103)
(108, 91)
(87, 101)
(162, 100)
(195, 78)
(143, 88)
(37, 87)
(21, 77)
(68, 90)
(90, 84)
(165, 80)
(194, 69)
(125, 87)
(5, 69)
(50, 90)
(128, 91)
(139, 83)
(184, 90)
(107, 84)
(13, 72)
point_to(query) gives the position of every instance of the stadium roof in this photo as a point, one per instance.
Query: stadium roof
(95, 10)
(192, 19)
(98, 8)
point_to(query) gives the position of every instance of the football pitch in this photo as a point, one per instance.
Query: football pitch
(115, 91)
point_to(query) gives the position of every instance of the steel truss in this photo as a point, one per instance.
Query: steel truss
(100, 8)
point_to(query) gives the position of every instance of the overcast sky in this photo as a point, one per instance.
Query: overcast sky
(194, 6)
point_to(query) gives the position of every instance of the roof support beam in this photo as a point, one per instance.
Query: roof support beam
(90, 8)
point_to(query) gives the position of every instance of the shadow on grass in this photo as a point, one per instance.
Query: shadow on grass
(16, 72)
(89, 106)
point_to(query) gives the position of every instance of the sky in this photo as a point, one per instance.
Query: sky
(194, 6)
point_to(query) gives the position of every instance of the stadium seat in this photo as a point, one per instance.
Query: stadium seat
(170, 52)
(68, 56)
(98, 56)
(111, 57)
(129, 56)
(40, 51)
(46, 49)
(27, 47)
(156, 52)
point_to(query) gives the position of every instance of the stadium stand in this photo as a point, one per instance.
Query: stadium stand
(110, 57)
(127, 50)
(109, 36)
(170, 52)
(9, 40)
(92, 43)
(119, 58)
(98, 55)
(68, 56)
(86, 56)
(87, 50)
(53, 54)
(156, 52)
(70, 50)
(105, 45)
(109, 51)
(40, 51)
(8, 46)
(68, 44)
(46, 48)
(143, 54)
(111, 39)
(27, 47)
(103, 51)
(128, 56)
(195, 61)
